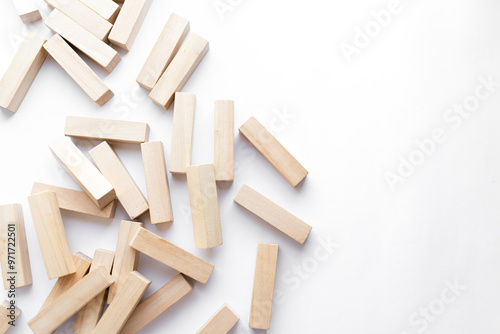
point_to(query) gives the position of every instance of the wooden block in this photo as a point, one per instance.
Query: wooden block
(8, 314)
(21, 72)
(82, 39)
(107, 9)
(14, 255)
(182, 132)
(273, 151)
(78, 70)
(70, 302)
(157, 303)
(83, 172)
(204, 206)
(51, 234)
(224, 140)
(128, 23)
(164, 50)
(169, 254)
(155, 170)
(221, 323)
(272, 213)
(27, 11)
(180, 70)
(263, 286)
(114, 171)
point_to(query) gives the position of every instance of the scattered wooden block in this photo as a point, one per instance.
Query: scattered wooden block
(273, 151)
(204, 206)
(51, 234)
(164, 50)
(21, 72)
(128, 23)
(182, 132)
(169, 254)
(224, 140)
(272, 213)
(114, 171)
(180, 70)
(8, 314)
(107, 9)
(27, 11)
(221, 323)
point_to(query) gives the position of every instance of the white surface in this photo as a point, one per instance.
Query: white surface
(351, 123)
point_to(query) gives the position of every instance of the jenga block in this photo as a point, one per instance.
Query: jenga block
(78, 70)
(224, 140)
(83, 172)
(204, 206)
(180, 70)
(107, 9)
(157, 303)
(114, 171)
(128, 23)
(51, 234)
(8, 315)
(273, 214)
(263, 286)
(164, 50)
(221, 323)
(27, 11)
(21, 72)
(14, 255)
(182, 133)
(169, 254)
(70, 302)
(273, 151)
(155, 170)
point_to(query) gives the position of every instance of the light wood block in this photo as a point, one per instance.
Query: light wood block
(224, 140)
(78, 70)
(21, 72)
(273, 151)
(51, 234)
(221, 323)
(155, 170)
(14, 247)
(164, 50)
(128, 23)
(127, 191)
(107, 9)
(263, 286)
(27, 11)
(182, 132)
(204, 206)
(157, 303)
(180, 70)
(84, 173)
(8, 314)
(273, 214)
(70, 302)
(169, 254)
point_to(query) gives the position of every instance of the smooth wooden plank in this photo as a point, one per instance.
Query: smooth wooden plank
(127, 191)
(164, 50)
(8, 314)
(51, 234)
(182, 132)
(107, 9)
(155, 170)
(273, 151)
(14, 247)
(27, 10)
(128, 23)
(169, 254)
(221, 322)
(204, 206)
(224, 140)
(21, 72)
(180, 70)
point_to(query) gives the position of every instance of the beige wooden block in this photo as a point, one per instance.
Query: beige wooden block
(127, 191)
(82, 39)
(182, 132)
(157, 303)
(51, 234)
(70, 302)
(169, 254)
(263, 286)
(21, 72)
(155, 170)
(224, 140)
(107, 9)
(204, 206)
(14, 255)
(273, 214)
(164, 50)
(78, 70)
(27, 11)
(221, 323)
(8, 314)
(128, 23)
(180, 70)
(273, 151)
(83, 172)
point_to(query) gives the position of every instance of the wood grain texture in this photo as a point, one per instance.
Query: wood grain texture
(182, 132)
(8, 313)
(107, 9)
(221, 323)
(128, 23)
(224, 140)
(27, 10)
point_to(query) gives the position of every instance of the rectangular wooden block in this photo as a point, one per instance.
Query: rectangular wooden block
(221, 323)
(182, 132)
(114, 171)
(169, 254)
(128, 23)
(273, 151)
(263, 286)
(273, 214)
(8, 315)
(155, 170)
(84, 173)
(14, 255)
(224, 140)
(51, 234)
(204, 206)
(27, 11)
(164, 50)
(107, 9)
(180, 70)
(21, 72)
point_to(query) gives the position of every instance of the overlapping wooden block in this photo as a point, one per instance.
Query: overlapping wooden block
(221, 323)
(224, 140)
(27, 11)
(107, 9)
(182, 132)
(8, 315)
(128, 23)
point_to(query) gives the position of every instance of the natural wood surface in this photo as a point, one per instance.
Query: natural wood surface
(8, 313)
(27, 11)
(128, 23)
(107, 9)
(182, 132)
(221, 322)
(224, 140)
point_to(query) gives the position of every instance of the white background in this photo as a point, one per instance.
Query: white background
(350, 123)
